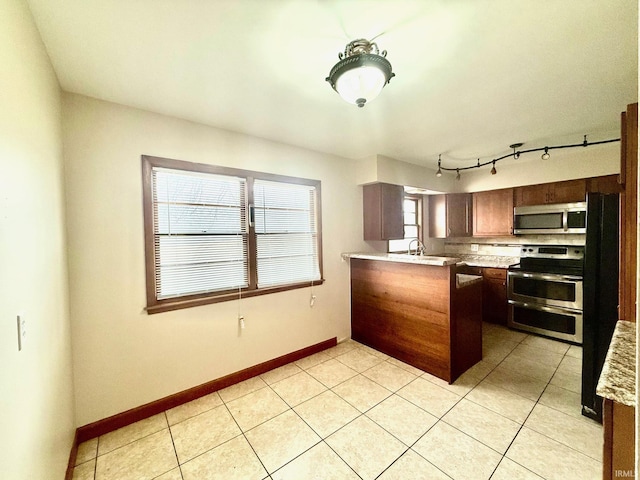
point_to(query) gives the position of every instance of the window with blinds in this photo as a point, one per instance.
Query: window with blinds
(214, 233)
(200, 232)
(286, 233)
(411, 212)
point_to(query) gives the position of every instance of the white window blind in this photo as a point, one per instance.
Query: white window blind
(200, 232)
(286, 233)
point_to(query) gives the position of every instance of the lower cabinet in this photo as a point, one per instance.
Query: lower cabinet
(618, 459)
(495, 308)
(416, 313)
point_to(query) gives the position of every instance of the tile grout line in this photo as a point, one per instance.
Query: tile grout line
(361, 414)
(95, 466)
(504, 455)
(531, 411)
(242, 432)
(173, 443)
(322, 440)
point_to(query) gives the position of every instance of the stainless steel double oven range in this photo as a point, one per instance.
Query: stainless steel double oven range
(545, 291)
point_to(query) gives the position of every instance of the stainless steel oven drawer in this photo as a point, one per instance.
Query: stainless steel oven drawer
(551, 290)
(560, 323)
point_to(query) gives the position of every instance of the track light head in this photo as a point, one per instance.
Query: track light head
(439, 172)
(457, 174)
(545, 155)
(493, 168)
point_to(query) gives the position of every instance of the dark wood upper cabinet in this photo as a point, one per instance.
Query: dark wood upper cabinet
(382, 211)
(604, 184)
(450, 215)
(569, 191)
(493, 213)
(556, 192)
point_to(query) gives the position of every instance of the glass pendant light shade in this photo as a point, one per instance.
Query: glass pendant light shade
(360, 85)
(360, 75)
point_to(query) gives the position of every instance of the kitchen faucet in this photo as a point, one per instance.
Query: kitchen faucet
(420, 248)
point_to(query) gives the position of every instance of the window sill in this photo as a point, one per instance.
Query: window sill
(177, 304)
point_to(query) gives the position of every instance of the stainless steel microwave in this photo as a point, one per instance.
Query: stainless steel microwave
(559, 218)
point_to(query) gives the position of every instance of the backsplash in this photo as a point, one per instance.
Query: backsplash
(506, 246)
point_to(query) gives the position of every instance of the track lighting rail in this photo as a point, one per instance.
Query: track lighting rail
(516, 154)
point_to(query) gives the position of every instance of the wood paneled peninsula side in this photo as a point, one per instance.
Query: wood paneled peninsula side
(416, 309)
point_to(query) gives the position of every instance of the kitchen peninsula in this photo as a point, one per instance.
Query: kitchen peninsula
(418, 310)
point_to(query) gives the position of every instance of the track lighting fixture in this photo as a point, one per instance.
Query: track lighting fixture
(516, 154)
(545, 155)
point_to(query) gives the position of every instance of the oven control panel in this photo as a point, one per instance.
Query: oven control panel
(560, 252)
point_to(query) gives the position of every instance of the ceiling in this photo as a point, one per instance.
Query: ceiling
(472, 76)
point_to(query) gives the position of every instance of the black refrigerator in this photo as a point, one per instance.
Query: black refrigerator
(600, 293)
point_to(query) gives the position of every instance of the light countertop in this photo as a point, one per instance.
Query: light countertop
(490, 261)
(618, 378)
(464, 280)
(405, 258)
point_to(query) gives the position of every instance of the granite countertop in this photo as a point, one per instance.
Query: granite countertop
(439, 261)
(491, 261)
(618, 378)
(464, 280)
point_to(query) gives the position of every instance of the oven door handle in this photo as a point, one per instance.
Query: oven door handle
(546, 276)
(543, 308)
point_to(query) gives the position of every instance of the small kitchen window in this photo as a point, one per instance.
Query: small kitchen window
(412, 214)
(214, 234)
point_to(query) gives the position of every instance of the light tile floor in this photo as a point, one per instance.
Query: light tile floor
(351, 412)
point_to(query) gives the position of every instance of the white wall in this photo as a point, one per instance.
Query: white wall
(124, 357)
(36, 403)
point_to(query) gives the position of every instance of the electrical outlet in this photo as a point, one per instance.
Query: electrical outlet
(22, 330)
(474, 247)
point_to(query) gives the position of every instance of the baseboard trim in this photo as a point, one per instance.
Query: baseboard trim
(72, 457)
(109, 424)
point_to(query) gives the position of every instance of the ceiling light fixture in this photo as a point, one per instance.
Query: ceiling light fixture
(458, 174)
(361, 73)
(516, 154)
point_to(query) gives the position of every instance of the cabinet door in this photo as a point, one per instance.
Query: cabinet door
(493, 213)
(382, 211)
(458, 215)
(532, 195)
(569, 191)
(494, 295)
(604, 184)
(619, 440)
